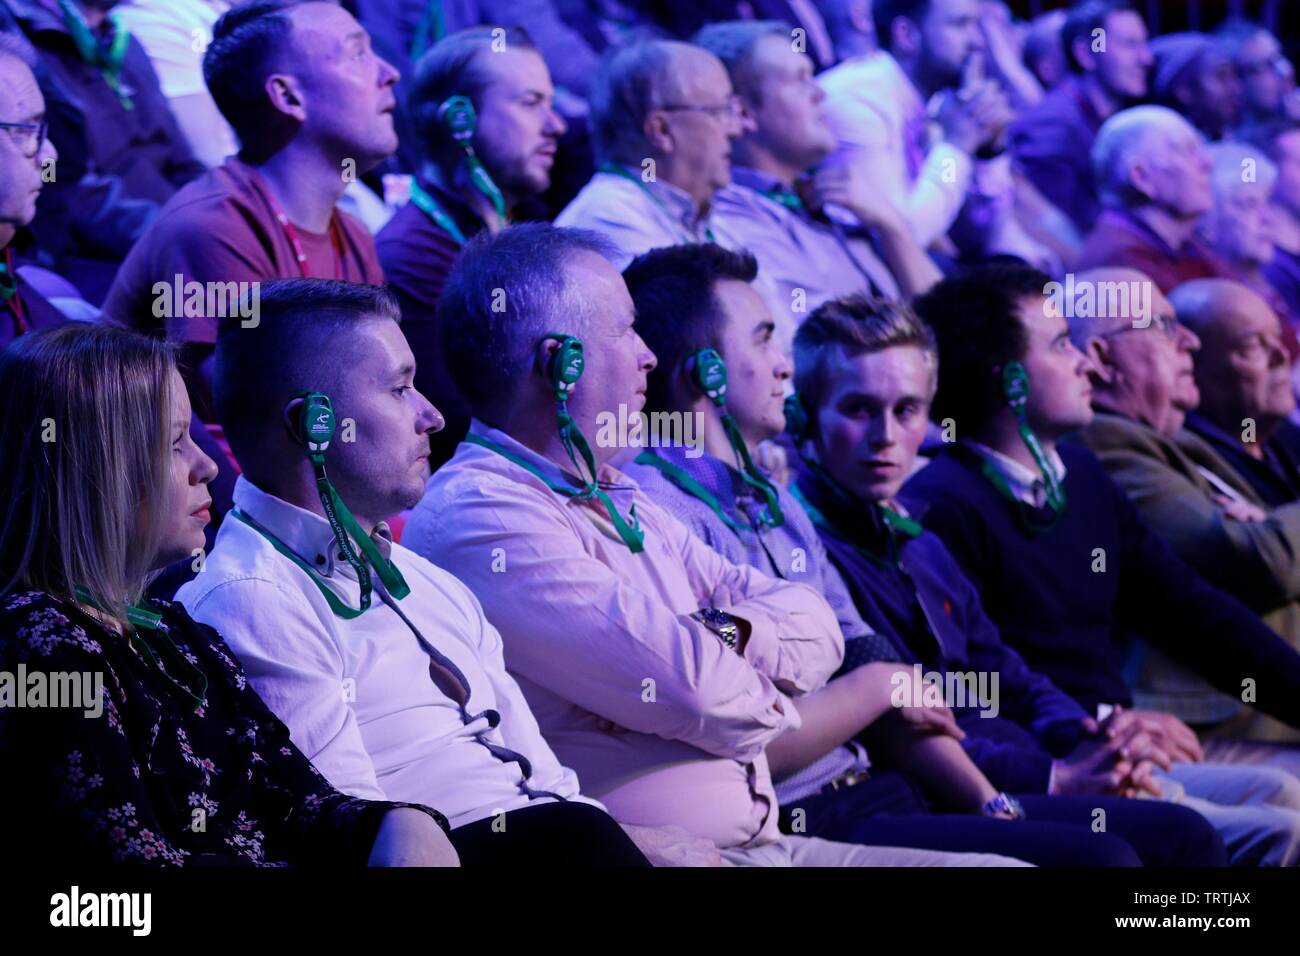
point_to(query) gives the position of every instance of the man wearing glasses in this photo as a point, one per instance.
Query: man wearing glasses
(1185, 483)
(24, 151)
(663, 116)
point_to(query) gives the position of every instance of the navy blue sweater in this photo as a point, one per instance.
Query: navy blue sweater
(913, 590)
(1072, 622)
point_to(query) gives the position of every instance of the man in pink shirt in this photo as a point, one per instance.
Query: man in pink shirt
(663, 674)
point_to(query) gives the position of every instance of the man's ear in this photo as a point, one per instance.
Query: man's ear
(1141, 180)
(286, 96)
(545, 351)
(1099, 354)
(906, 36)
(292, 413)
(657, 133)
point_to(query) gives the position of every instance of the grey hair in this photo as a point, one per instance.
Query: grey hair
(733, 42)
(1117, 144)
(632, 82)
(505, 293)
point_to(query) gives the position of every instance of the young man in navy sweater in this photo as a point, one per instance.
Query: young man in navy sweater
(1066, 568)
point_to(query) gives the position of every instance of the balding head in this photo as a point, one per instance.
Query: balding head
(22, 151)
(1243, 371)
(1141, 357)
(1152, 155)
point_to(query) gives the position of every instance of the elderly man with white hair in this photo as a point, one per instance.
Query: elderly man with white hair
(1144, 385)
(1153, 177)
(663, 116)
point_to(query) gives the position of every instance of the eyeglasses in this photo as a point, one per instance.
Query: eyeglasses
(29, 137)
(1277, 64)
(1168, 324)
(728, 110)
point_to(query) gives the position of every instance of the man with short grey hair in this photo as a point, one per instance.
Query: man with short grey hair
(1143, 389)
(1153, 177)
(663, 116)
(660, 670)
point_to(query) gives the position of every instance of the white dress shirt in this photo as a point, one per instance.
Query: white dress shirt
(359, 696)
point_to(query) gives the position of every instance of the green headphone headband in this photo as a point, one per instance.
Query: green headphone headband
(456, 114)
(708, 373)
(1015, 391)
(566, 364)
(315, 423)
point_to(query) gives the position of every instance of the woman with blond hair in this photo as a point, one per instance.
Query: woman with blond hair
(128, 732)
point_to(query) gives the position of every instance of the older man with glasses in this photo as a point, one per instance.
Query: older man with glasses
(663, 118)
(1145, 384)
(25, 153)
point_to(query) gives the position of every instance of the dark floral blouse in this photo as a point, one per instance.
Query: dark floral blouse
(156, 779)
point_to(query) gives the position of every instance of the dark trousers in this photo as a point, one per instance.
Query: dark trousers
(547, 834)
(1058, 831)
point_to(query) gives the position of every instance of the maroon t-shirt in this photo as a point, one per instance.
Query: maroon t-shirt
(223, 228)
(1120, 239)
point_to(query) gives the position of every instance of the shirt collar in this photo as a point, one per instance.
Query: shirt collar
(676, 201)
(718, 477)
(1025, 483)
(303, 532)
(610, 478)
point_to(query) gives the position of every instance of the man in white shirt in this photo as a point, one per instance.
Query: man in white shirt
(663, 116)
(409, 696)
(877, 105)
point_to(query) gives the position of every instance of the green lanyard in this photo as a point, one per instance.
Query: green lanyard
(784, 197)
(142, 617)
(431, 208)
(631, 534)
(620, 171)
(107, 59)
(388, 572)
(432, 28)
(1024, 512)
(1015, 386)
(750, 473)
(897, 523)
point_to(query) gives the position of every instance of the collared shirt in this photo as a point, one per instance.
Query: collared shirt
(1276, 476)
(792, 551)
(635, 215)
(880, 119)
(663, 722)
(1026, 483)
(807, 260)
(409, 701)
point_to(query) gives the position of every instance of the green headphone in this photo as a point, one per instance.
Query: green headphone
(107, 59)
(313, 428)
(457, 114)
(563, 368)
(708, 374)
(1015, 391)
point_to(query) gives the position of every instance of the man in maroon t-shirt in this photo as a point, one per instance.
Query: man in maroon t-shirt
(1153, 175)
(515, 138)
(312, 106)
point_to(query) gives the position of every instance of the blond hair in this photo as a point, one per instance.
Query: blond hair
(84, 463)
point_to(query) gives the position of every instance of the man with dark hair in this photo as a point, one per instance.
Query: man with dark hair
(777, 204)
(1267, 77)
(515, 139)
(1064, 565)
(693, 298)
(666, 675)
(877, 106)
(1105, 45)
(382, 666)
(122, 155)
(1194, 75)
(312, 107)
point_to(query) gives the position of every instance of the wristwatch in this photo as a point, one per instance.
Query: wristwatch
(720, 623)
(1003, 803)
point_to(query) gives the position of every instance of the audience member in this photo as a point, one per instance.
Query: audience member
(1194, 76)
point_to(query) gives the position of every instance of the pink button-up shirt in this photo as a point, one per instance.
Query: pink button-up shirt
(662, 722)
